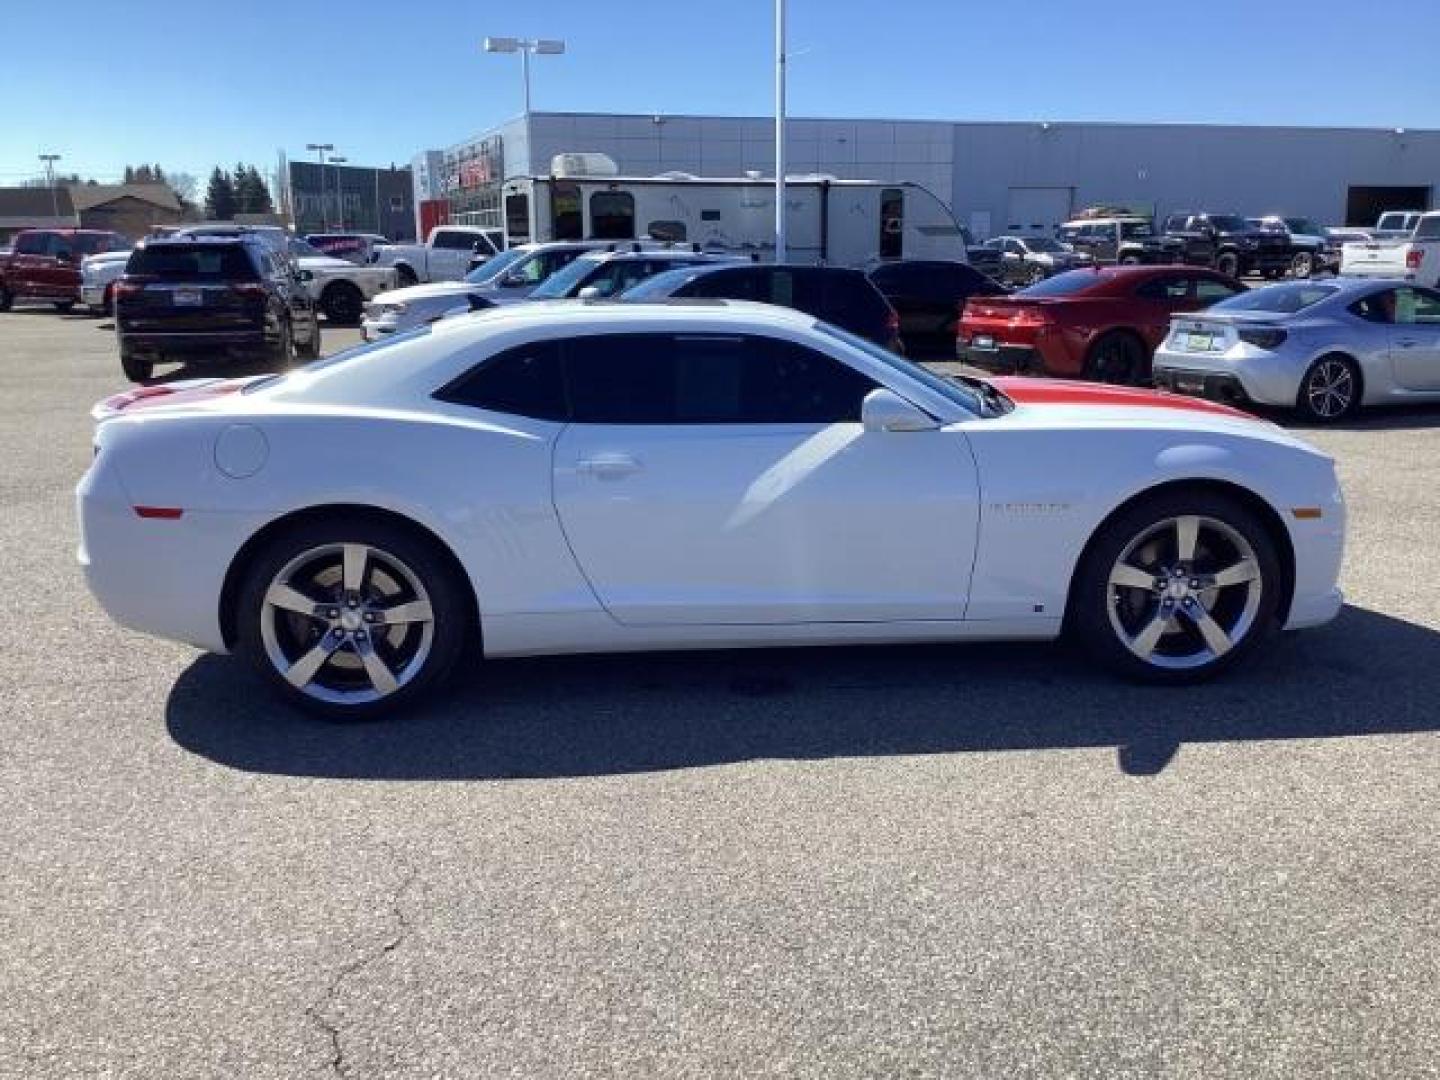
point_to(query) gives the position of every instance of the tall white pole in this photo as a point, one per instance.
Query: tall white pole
(779, 131)
(525, 75)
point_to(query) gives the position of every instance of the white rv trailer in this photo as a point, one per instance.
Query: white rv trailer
(838, 222)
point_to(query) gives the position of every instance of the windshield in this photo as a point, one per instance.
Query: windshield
(563, 282)
(1302, 225)
(496, 267)
(1072, 281)
(972, 400)
(1281, 299)
(1040, 243)
(661, 285)
(1228, 223)
(1132, 230)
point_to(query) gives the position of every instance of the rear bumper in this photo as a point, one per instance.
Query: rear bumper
(1224, 388)
(193, 343)
(1002, 358)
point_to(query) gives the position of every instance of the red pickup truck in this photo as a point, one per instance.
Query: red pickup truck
(44, 264)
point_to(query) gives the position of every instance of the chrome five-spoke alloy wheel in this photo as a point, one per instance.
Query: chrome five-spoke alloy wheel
(1185, 592)
(347, 623)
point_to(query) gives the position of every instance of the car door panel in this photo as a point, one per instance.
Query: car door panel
(759, 524)
(1415, 340)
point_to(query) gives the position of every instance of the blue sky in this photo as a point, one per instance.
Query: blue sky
(193, 84)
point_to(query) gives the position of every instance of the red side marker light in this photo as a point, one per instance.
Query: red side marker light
(166, 513)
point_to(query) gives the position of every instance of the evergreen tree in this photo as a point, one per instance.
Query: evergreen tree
(251, 193)
(220, 200)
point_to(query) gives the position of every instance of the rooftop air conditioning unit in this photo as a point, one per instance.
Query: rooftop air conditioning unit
(586, 164)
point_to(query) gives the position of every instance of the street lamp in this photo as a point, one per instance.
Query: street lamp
(779, 131)
(321, 148)
(337, 159)
(49, 160)
(525, 46)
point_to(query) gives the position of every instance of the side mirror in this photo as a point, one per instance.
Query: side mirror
(589, 292)
(885, 410)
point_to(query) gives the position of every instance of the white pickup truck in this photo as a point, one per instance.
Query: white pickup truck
(1415, 258)
(447, 254)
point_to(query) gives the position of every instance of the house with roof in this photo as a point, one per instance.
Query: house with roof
(35, 208)
(132, 209)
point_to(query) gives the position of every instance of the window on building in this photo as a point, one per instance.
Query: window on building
(612, 215)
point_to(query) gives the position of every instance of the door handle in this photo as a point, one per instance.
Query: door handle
(608, 466)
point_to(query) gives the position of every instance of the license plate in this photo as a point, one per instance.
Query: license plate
(983, 341)
(1200, 342)
(187, 297)
(1190, 384)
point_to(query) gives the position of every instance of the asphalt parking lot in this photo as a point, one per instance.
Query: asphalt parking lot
(959, 862)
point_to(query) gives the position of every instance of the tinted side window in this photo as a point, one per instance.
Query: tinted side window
(708, 379)
(1377, 307)
(33, 243)
(612, 215)
(1210, 292)
(850, 300)
(741, 284)
(1164, 288)
(450, 241)
(523, 381)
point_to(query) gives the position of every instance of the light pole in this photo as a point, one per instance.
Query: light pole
(337, 159)
(49, 160)
(779, 131)
(321, 148)
(525, 46)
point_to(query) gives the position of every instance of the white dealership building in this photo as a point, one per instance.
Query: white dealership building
(1022, 176)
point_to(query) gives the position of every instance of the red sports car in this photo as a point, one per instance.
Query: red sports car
(1101, 324)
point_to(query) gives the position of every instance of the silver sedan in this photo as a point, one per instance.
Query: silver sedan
(1324, 348)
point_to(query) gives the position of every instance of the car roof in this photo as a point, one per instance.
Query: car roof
(637, 313)
(192, 239)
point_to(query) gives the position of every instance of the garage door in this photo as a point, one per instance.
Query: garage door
(1038, 211)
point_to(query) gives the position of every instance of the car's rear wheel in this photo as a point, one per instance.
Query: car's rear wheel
(6, 299)
(1330, 391)
(137, 368)
(342, 303)
(405, 277)
(1116, 357)
(1228, 263)
(1302, 265)
(351, 620)
(1177, 588)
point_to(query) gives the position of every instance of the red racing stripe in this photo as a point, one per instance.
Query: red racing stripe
(1067, 392)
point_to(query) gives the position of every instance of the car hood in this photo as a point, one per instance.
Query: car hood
(1064, 403)
(324, 262)
(439, 289)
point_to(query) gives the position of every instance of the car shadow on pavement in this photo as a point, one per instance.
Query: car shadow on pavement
(1368, 674)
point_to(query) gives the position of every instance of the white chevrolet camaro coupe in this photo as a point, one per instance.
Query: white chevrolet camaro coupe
(589, 477)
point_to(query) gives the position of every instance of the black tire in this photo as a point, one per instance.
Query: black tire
(1331, 391)
(6, 299)
(282, 353)
(1302, 265)
(1129, 260)
(1228, 263)
(138, 369)
(1113, 620)
(342, 303)
(419, 655)
(1034, 275)
(311, 349)
(405, 277)
(64, 306)
(1117, 357)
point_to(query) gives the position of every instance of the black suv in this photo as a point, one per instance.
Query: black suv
(836, 294)
(1128, 240)
(928, 296)
(207, 299)
(1238, 247)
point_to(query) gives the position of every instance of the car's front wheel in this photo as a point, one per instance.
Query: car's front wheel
(1177, 588)
(1228, 263)
(342, 303)
(1302, 265)
(352, 619)
(137, 369)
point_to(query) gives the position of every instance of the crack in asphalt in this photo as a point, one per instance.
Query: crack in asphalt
(318, 1011)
